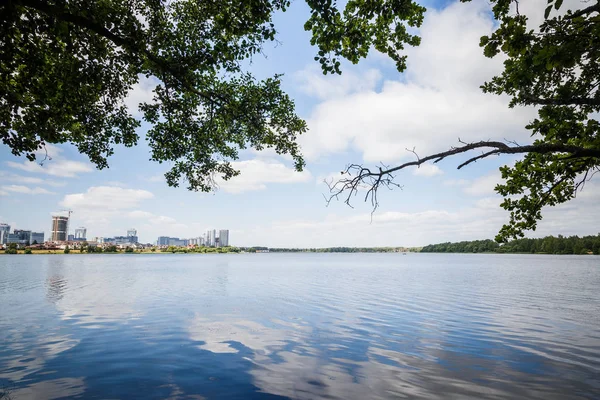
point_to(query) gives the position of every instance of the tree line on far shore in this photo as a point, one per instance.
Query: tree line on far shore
(547, 245)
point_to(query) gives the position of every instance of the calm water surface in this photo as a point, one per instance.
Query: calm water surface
(300, 326)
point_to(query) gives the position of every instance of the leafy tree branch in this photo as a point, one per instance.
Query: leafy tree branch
(67, 68)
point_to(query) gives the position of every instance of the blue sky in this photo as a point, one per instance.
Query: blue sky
(370, 113)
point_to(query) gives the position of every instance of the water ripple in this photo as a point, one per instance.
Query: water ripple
(307, 326)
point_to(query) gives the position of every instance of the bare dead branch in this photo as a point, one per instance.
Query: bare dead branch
(357, 177)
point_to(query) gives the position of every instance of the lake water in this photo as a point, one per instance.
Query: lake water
(300, 326)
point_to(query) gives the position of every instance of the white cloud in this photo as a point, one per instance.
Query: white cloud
(331, 178)
(110, 209)
(156, 178)
(456, 182)
(438, 102)
(4, 176)
(256, 174)
(55, 165)
(142, 92)
(138, 214)
(391, 228)
(117, 183)
(102, 198)
(312, 82)
(484, 185)
(62, 168)
(153, 219)
(25, 189)
(427, 170)
(481, 219)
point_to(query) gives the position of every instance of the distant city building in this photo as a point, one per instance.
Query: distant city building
(125, 239)
(119, 240)
(36, 238)
(224, 237)
(132, 235)
(171, 241)
(4, 231)
(198, 241)
(80, 233)
(70, 238)
(19, 236)
(24, 237)
(177, 242)
(211, 238)
(163, 241)
(60, 226)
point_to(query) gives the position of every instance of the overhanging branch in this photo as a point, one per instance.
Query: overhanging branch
(585, 11)
(361, 178)
(572, 101)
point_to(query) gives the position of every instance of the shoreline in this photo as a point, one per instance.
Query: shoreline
(75, 252)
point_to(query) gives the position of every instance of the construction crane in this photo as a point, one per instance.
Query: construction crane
(69, 212)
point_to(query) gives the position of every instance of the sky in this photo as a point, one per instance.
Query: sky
(369, 114)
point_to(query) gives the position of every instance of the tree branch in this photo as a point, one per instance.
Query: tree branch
(360, 177)
(579, 101)
(584, 11)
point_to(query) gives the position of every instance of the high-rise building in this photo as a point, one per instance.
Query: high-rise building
(23, 237)
(80, 233)
(132, 235)
(122, 239)
(70, 238)
(173, 241)
(4, 231)
(36, 238)
(20, 236)
(163, 241)
(60, 226)
(211, 237)
(224, 238)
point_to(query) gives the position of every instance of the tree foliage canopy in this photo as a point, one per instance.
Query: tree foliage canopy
(68, 65)
(557, 68)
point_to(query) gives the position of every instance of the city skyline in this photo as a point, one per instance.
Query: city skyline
(60, 233)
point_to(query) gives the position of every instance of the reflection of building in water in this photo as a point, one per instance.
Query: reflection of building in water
(56, 283)
(55, 288)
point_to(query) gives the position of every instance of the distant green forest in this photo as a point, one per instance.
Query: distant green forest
(548, 245)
